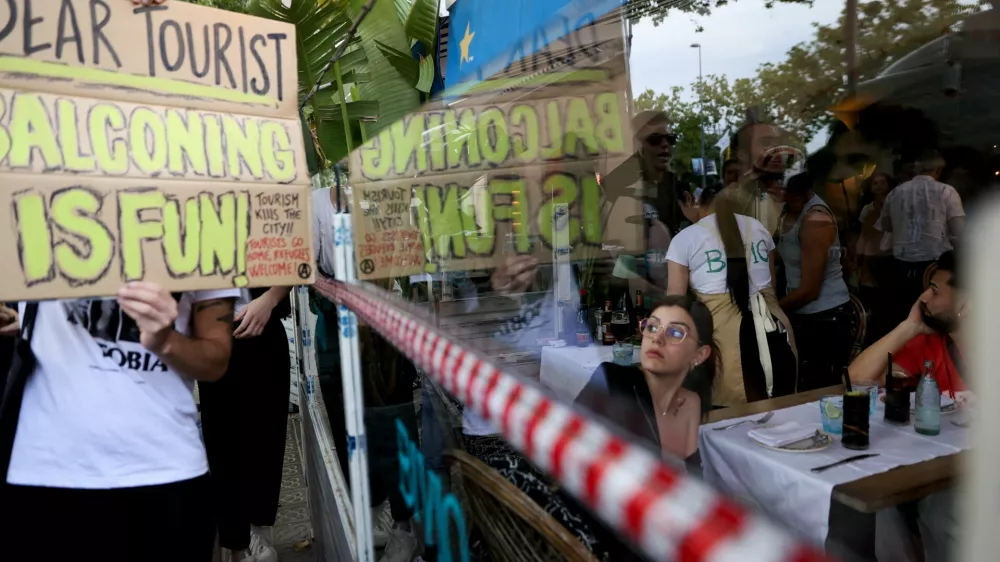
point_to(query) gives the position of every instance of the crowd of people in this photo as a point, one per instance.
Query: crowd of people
(767, 293)
(760, 296)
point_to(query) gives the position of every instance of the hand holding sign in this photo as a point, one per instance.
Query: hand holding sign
(154, 311)
(515, 275)
(8, 321)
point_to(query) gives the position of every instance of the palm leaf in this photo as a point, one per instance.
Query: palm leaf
(421, 22)
(426, 79)
(405, 64)
(395, 95)
(320, 27)
(356, 110)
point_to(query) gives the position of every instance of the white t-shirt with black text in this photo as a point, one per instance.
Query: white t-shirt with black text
(699, 247)
(100, 411)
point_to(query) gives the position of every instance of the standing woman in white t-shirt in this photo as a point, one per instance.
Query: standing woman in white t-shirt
(106, 450)
(726, 260)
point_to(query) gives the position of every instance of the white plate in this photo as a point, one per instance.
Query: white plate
(948, 406)
(821, 440)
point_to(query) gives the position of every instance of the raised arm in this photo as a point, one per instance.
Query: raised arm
(870, 366)
(204, 355)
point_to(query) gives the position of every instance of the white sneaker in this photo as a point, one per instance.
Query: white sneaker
(402, 547)
(260, 545)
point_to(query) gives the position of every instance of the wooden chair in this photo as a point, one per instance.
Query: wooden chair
(515, 528)
(860, 326)
(928, 273)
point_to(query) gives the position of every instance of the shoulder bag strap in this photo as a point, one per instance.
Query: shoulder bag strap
(22, 366)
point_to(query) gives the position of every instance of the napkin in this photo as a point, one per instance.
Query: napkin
(781, 434)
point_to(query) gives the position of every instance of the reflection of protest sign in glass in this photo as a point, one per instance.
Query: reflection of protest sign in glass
(459, 185)
(697, 166)
(121, 133)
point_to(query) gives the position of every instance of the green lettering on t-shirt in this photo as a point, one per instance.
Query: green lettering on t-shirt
(759, 253)
(717, 259)
(762, 251)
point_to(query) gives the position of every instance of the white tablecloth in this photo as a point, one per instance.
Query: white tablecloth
(782, 485)
(566, 370)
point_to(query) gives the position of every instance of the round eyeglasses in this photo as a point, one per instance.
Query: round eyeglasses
(674, 333)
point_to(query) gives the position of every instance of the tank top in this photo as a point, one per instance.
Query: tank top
(833, 292)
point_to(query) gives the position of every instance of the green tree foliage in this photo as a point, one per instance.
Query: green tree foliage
(229, 5)
(797, 92)
(685, 120)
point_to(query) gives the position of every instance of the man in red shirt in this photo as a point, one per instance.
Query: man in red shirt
(932, 331)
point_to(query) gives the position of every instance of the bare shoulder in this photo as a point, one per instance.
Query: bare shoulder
(690, 403)
(818, 216)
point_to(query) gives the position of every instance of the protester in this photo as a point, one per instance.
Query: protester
(726, 259)
(248, 411)
(932, 331)
(100, 426)
(646, 174)
(925, 217)
(817, 301)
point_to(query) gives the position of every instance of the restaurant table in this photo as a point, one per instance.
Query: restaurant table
(909, 466)
(566, 370)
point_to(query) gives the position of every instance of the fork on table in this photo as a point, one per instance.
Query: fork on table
(762, 420)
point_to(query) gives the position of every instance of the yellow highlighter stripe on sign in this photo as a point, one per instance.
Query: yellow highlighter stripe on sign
(150, 84)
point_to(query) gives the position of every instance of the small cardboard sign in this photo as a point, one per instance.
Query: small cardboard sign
(467, 182)
(155, 143)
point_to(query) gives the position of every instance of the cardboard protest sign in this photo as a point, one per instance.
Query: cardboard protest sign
(148, 143)
(94, 234)
(465, 183)
(43, 133)
(176, 54)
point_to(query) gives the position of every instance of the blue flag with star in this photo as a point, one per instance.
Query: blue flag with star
(486, 36)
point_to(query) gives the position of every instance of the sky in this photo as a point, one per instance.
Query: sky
(736, 39)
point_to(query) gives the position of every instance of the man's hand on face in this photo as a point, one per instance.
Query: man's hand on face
(915, 320)
(154, 310)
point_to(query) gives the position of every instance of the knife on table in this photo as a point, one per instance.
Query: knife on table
(845, 461)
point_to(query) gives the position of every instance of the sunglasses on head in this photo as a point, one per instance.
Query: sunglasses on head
(657, 138)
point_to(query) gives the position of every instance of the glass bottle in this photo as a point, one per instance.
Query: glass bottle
(928, 403)
(608, 337)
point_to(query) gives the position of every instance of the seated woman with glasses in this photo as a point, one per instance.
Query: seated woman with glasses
(649, 399)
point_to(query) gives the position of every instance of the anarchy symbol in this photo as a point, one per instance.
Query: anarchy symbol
(304, 270)
(367, 267)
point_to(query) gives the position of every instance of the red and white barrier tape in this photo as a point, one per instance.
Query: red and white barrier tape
(669, 515)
